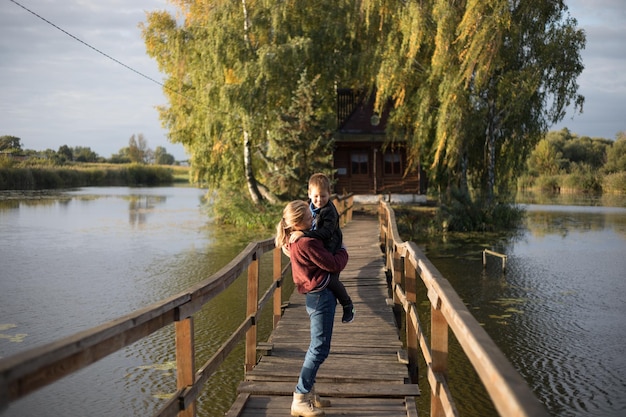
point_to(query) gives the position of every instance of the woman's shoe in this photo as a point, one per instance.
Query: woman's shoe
(302, 406)
(317, 400)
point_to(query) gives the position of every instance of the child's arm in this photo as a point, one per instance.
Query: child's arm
(295, 235)
(327, 223)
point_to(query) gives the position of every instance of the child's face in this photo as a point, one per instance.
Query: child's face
(318, 197)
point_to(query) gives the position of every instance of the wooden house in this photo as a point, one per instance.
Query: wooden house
(364, 165)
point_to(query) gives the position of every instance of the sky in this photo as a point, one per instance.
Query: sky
(55, 90)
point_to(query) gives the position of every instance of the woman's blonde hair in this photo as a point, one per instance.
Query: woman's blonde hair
(293, 214)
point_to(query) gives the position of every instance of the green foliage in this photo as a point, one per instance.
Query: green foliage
(614, 183)
(548, 183)
(299, 145)
(463, 214)
(138, 151)
(582, 178)
(616, 155)
(10, 143)
(84, 154)
(234, 66)
(161, 157)
(415, 222)
(65, 154)
(235, 209)
(563, 161)
(471, 81)
(545, 159)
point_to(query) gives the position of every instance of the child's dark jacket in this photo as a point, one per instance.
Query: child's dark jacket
(326, 227)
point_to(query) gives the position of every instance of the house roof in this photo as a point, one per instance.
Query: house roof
(361, 119)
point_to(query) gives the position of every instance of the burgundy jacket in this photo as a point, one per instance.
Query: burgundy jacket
(311, 262)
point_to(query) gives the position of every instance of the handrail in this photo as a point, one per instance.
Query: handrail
(406, 262)
(25, 372)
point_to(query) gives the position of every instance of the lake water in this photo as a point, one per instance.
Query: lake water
(75, 260)
(70, 261)
(558, 310)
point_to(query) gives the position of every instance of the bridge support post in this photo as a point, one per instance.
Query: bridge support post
(439, 349)
(185, 360)
(251, 310)
(410, 278)
(277, 271)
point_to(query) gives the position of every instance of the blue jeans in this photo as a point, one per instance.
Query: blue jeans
(321, 308)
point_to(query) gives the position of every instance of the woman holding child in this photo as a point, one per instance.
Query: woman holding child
(311, 266)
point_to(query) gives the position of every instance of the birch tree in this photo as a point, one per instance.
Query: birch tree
(232, 68)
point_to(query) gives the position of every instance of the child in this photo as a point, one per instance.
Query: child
(326, 227)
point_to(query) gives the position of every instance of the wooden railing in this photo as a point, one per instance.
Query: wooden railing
(26, 372)
(406, 262)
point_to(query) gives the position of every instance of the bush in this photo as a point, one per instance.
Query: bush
(548, 183)
(415, 222)
(525, 182)
(582, 179)
(238, 210)
(460, 213)
(615, 183)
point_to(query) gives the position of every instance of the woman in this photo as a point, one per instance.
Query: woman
(311, 265)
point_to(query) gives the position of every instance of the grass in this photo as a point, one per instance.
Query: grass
(43, 177)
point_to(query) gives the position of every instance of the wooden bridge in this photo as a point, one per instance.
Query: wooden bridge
(370, 371)
(365, 373)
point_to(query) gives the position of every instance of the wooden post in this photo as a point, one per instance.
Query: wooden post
(410, 282)
(397, 265)
(251, 309)
(350, 207)
(278, 299)
(500, 255)
(185, 360)
(439, 349)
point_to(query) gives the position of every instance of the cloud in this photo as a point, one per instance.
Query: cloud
(58, 91)
(603, 81)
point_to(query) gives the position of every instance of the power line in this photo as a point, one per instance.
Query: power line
(98, 50)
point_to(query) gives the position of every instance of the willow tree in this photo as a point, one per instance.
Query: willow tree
(477, 83)
(520, 63)
(232, 68)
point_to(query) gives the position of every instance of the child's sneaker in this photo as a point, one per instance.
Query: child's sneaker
(348, 313)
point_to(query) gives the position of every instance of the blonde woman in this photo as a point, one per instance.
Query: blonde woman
(311, 267)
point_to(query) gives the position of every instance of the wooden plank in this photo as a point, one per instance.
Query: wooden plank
(265, 405)
(343, 390)
(238, 405)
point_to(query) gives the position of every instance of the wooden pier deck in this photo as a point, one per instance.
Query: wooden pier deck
(364, 374)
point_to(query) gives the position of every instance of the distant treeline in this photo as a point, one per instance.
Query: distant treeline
(39, 178)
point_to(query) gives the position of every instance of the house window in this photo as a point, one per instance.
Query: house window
(393, 164)
(359, 163)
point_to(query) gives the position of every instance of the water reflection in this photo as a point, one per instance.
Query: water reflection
(573, 199)
(140, 206)
(542, 220)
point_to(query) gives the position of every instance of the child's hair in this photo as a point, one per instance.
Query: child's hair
(319, 181)
(293, 214)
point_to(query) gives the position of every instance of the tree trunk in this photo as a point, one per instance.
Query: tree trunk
(253, 189)
(493, 132)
